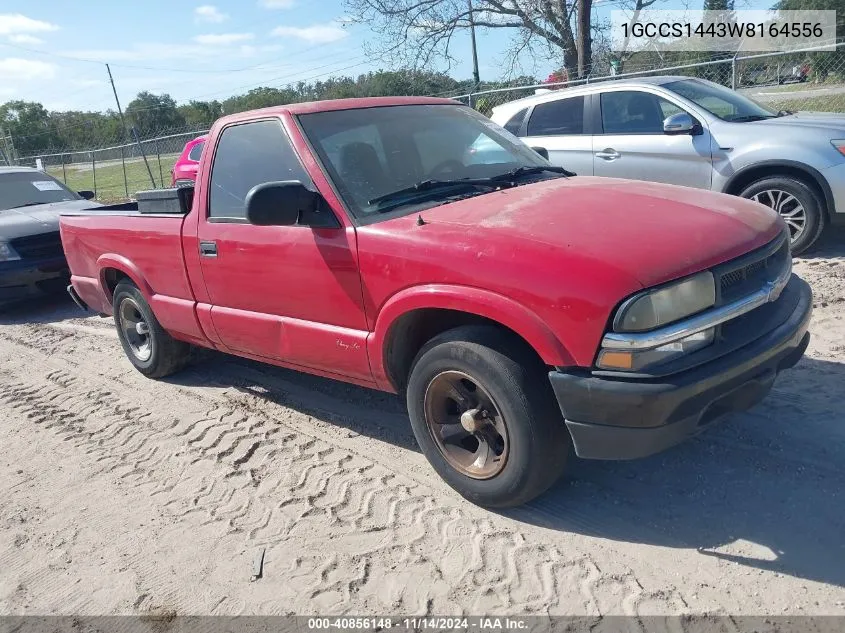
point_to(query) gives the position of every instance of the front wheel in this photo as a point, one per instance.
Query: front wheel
(150, 349)
(484, 415)
(796, 203)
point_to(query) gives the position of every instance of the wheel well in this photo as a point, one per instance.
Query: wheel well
(414, 329)
(745, 178)
(112, 277)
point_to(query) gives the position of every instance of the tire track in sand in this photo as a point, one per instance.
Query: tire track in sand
(355, 533)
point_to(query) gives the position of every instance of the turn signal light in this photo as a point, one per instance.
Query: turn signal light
(616, 360)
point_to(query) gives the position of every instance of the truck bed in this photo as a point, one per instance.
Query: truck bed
(143, 246)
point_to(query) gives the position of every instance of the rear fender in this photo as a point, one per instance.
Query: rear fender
(177, 315)
(118, 262)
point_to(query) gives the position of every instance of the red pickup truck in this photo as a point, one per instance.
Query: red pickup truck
(413, 246)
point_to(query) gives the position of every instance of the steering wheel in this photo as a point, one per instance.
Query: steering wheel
(447, 168)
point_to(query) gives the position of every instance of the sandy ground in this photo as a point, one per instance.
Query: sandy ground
(121, 495)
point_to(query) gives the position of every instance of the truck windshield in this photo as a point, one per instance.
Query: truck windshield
(20, 189)
(720, 101)
(379, 157)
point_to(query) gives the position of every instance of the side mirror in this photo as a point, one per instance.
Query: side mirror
(279, 203)
(542, 151)
(680, 123)
(88, 195)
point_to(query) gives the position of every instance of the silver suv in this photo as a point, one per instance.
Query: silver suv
(696, 133)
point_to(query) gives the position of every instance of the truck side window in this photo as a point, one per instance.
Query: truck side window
(250, 154)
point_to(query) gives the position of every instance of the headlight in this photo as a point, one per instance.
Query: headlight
(657, 308)
(654, 309)
(7, 253)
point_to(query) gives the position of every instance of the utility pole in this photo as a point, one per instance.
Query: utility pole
(475, 76)
(584, 9)
(117, 101)
(126, 129)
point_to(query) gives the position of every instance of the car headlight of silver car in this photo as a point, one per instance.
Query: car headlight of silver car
(654, 309)
(7, 253)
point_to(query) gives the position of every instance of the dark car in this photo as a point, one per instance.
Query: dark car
(32, 261)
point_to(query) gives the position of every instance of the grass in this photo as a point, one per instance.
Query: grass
(829, 103)
(110, 184)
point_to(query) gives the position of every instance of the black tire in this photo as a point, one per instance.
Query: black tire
(166, 355)
(538, 442)
(816, 218)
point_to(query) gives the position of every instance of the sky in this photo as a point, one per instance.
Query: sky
(203, 49)
(54, 51)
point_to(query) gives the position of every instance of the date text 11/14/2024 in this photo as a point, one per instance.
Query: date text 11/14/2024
(417, 623)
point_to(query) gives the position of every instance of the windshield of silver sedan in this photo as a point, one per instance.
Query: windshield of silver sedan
(719, 101)
(394, 160)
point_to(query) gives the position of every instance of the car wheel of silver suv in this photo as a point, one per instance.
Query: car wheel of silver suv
(796, 203)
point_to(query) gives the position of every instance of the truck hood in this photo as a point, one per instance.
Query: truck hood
(41, 218)
(655, 232)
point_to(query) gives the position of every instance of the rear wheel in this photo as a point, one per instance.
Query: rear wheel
(796, 203)
(483, 412)
(148, 346)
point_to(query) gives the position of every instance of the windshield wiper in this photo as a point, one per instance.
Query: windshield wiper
(751, 117)
(493, 182)
(527, 171)
(27, 204)
(429, 185)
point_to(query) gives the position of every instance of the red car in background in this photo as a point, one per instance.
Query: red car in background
(184, 172)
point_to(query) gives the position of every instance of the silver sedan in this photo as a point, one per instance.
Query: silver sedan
(695, 133)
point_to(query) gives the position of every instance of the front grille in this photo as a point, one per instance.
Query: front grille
(747, 275)
(41, 246)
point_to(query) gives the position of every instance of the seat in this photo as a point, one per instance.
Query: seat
(362, 171)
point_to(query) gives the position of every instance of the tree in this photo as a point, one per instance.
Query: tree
(201, 114)
(422, 30)
(154, 114)
(30, 126)
(87, 129)
(37, 131)
(619, 58)
(259, 98)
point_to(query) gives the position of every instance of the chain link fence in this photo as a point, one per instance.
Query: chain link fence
(802, 80)
(117, 172)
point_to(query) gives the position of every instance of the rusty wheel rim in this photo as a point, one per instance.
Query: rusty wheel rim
(466, 424)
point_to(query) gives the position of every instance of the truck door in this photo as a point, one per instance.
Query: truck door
(288, 293)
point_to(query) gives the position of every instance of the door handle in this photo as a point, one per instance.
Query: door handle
(608, 154)
(208, 249)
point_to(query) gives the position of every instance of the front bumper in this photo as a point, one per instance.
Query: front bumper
(23, 279)
(617, 418)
